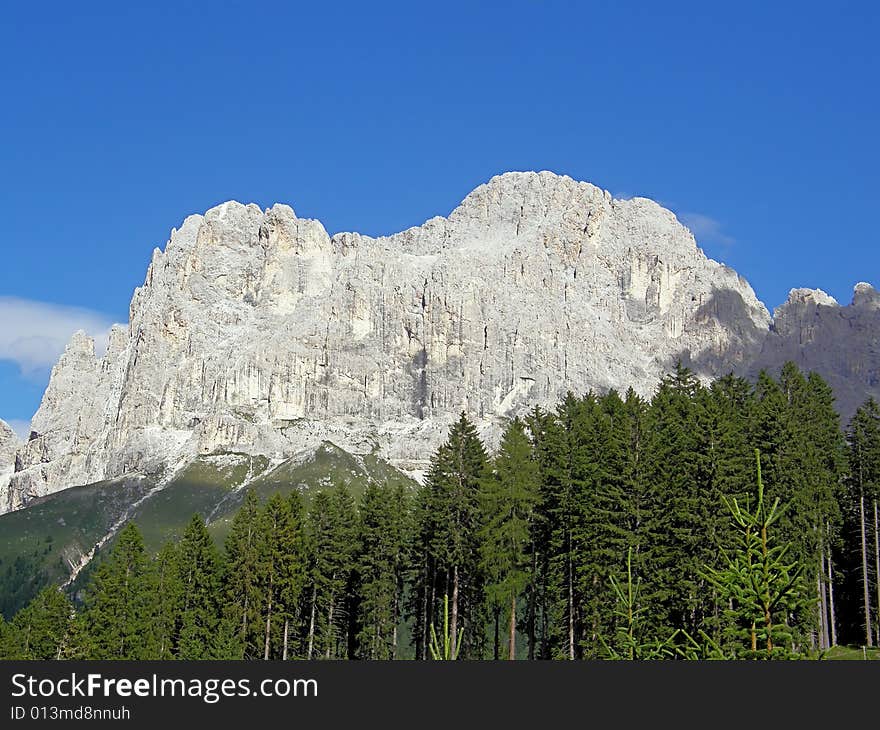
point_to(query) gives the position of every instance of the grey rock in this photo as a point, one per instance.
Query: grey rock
(841, 343)
(9, 444)
(257, 332)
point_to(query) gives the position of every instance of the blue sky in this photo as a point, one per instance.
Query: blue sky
(755, 122)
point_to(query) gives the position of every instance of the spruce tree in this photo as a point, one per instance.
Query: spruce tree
(453, 521)
(167, 599)
(508, 497)
(279, 573)
(241, 583)
(563, 465)
(381, 543)
(332, 546)
(40, 630)
(676, 545)
(761, 583)
(199, 572)
(864, 482)
(118, 605)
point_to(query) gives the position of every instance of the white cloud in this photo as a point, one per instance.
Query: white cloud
(22, 428)
(706, 229)
(33, 334)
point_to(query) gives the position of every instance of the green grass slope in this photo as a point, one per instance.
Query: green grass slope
(40, 544)
(327, 466)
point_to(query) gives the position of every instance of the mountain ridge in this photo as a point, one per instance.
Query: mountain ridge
(257, 331)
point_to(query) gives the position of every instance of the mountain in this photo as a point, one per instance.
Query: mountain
(256, 332)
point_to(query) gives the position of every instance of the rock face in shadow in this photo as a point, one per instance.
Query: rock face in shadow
(255, 331)
(841, 343)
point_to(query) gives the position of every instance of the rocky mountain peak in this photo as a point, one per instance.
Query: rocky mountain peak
(256, 332)
(865, 295)
(810, 297)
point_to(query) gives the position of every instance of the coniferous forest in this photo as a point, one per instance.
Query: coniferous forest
(735, 520)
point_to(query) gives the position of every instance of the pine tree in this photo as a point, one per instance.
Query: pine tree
(332, 545)
(118, 617)
(723, 414)
(563, 463)
(41, 630)
(199, 572)
(537, 595)
(676, 545)
(509, 495)
(243, 595)
(864, 482)
(812, 461)
(167, 599)
(630, 643)
(453, 520)
(279, 574)
(762, 582)
(382, 540)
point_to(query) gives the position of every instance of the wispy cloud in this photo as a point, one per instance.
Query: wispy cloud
(706, 229)
(33, 334)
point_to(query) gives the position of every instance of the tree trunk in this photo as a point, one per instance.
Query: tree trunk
(545, 643)
(820, 594)
(429, 613)
(312, 622)
(512, 644)
(327, 652)
(244, 627)
(530, 619)
(453, 622)
(869, 634)
(570, 602)
(833, 617)
(284, 652)
(768, 617)
(877, 566)
(268, 621)
(394, 619)
(496, 650)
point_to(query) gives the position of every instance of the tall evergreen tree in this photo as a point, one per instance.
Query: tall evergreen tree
(382, 545)
(509, 495)
(280, 574)
(677, 546)
(165, 606)
(40, 630)
(864, 469)
(241, 582)
(452, 512)
(332, 546)
(563, 463)
(199, 570)
(118, 607)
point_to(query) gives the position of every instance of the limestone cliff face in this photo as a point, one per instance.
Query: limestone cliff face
(255, 331)
(9, 444)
